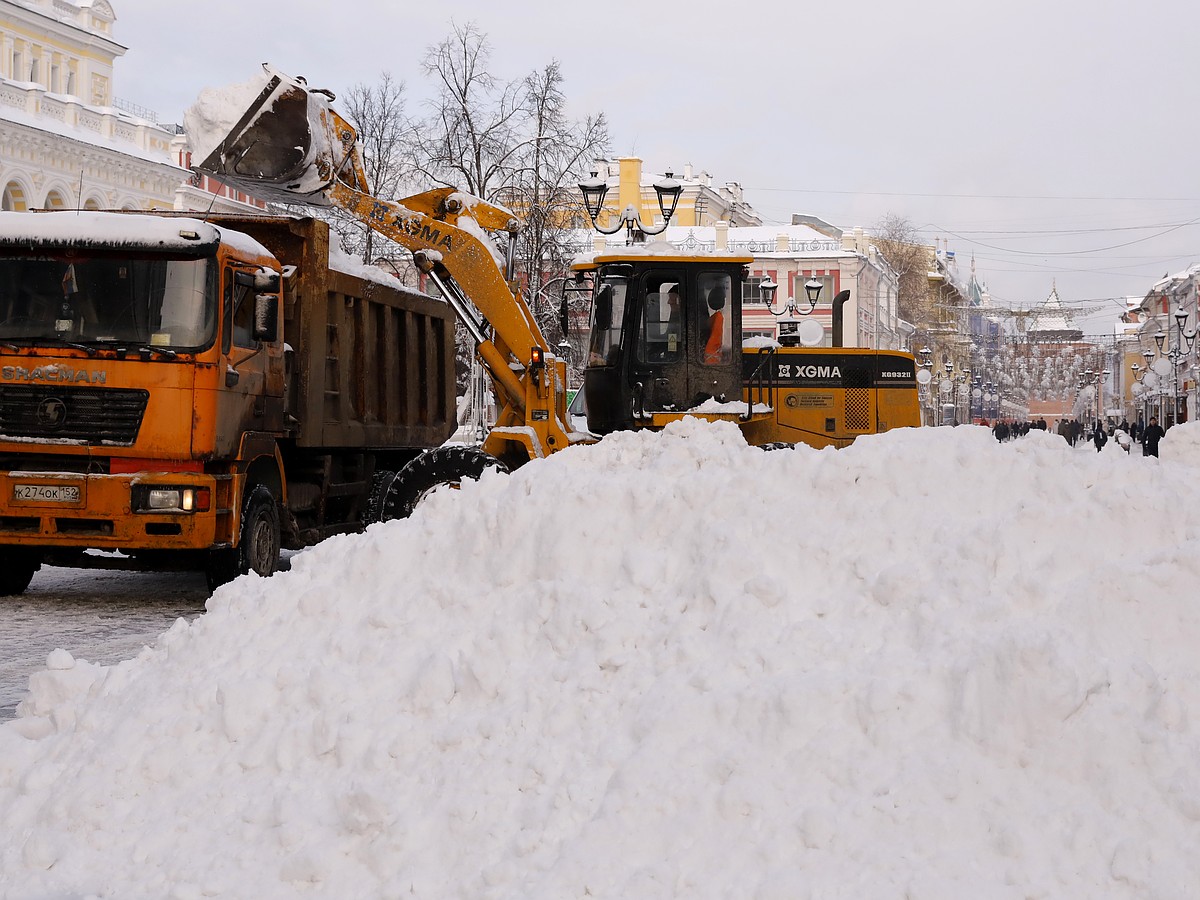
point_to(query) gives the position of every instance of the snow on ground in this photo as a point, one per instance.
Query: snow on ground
(928, 666)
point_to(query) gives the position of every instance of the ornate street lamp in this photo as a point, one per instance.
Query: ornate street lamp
(595, 189)
(812, 289)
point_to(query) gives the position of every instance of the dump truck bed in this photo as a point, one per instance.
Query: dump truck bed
(372, 364)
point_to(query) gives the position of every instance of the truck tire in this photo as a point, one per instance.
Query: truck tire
(443, 467)
(261, 541)
(258, 544)
(16, 570)
(777, 445)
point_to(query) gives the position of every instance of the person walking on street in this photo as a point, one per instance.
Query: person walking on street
(1098, 436)
(1151, 436)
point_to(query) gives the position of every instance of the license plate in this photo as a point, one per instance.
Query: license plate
(47, 493)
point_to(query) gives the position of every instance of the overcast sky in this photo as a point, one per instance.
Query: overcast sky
(1056, 141)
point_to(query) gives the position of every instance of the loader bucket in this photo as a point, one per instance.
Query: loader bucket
(273, 138)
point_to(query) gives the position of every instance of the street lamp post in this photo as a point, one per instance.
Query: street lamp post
(924, 379)
(812, 291)
(1177, 356)
(595, 188)
(1147, 355)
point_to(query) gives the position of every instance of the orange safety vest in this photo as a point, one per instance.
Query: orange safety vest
(716, 334)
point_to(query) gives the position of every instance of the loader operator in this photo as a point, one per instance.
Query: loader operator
(714, 348)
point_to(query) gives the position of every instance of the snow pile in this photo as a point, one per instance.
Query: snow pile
(216, 111)
(929, 665)
(291, 133)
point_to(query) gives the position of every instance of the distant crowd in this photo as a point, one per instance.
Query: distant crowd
(1006, 430)
(1146, 434)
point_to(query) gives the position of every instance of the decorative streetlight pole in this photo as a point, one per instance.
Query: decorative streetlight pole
(594, 190)
(1147, 384)
(1177, 357)
(924, 377)
(789, 326)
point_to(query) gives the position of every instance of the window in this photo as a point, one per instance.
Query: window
(751, 292)
(608, 313)
(239, 313)
(716, 324)
(124, 301)
(826, 296)
(662, 320)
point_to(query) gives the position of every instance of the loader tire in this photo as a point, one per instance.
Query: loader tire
(17, 568)
(445, 467)
(777, 445)
(258, 544)
(378, 509)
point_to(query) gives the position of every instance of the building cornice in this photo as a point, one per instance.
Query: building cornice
(38, 20)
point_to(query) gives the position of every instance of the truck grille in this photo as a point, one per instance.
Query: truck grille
(87, 415)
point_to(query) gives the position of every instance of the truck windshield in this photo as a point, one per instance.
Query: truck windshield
(145, 302)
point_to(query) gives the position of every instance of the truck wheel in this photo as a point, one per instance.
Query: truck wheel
(260, 541)
(16, 570)
(377, 502)
(443, 467)
(778, 445)
(258, 546)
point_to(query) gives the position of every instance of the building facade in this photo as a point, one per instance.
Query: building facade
(66, 140)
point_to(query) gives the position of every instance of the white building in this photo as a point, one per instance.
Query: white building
(66, 141)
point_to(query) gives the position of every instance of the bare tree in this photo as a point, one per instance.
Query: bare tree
(473, 119)
(899, 242)
(510, 143)
(542, 186)
(378, 114)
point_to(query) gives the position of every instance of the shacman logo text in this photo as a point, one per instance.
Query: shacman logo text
(52, 375)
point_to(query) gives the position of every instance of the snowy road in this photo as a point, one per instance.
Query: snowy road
(103, 617)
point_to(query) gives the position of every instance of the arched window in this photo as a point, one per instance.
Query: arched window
(14, 198)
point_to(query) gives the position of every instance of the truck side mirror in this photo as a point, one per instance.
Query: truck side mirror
(562, 317)
(266, 315)
(264, 281)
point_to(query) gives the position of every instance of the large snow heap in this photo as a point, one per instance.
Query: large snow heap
(671, 665)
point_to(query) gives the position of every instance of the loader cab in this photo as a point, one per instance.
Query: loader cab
(665, 336)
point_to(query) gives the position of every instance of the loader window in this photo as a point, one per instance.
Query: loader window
(608, 313)
(716, 322)
(662, 321)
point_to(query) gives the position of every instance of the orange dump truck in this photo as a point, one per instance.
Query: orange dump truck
(187, 393)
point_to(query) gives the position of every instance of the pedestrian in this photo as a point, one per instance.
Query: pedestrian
(1151, 436)
(1098, 436)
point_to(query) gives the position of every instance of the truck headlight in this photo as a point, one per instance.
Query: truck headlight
(170, 498)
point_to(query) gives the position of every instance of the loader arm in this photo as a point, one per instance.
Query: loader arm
(288, 144)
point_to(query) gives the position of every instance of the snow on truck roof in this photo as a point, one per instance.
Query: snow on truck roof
(83, 229)
(174, 234)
